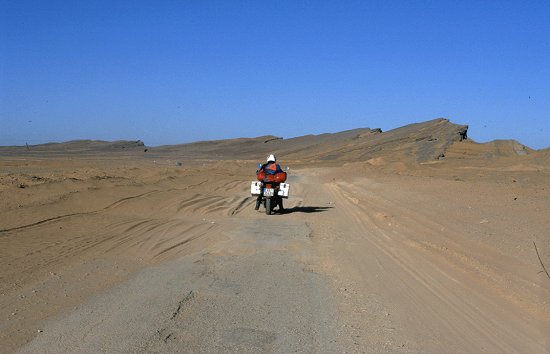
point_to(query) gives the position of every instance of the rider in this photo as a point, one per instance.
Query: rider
(271, 167)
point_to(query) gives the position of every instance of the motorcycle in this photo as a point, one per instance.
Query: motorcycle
(270, 190)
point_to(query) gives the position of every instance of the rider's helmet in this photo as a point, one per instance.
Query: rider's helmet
(271, 158)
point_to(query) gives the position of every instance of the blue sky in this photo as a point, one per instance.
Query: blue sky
(179, 71)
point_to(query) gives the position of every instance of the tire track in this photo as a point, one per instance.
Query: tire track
(431, 287)
(108, 207)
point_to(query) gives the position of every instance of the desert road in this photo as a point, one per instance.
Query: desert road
(356, 264)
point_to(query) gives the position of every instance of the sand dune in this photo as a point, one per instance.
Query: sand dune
(412, 240)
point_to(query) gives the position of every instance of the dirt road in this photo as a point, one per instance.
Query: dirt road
(418, 272)
(356, 265)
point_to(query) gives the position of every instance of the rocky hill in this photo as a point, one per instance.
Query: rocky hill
(417, 142)
(74, 147)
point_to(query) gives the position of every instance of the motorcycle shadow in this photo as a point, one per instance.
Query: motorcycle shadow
(307, 209)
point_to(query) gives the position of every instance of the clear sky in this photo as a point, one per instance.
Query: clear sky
(180, 71)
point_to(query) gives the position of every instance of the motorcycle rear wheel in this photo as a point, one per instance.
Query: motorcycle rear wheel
(268, 206)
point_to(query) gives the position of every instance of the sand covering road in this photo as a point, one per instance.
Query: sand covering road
(404, 241)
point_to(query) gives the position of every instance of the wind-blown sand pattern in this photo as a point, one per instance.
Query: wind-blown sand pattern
(411, 240)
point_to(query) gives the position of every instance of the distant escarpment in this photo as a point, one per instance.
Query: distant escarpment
(413, 144)
(418, 142)
(75, 147)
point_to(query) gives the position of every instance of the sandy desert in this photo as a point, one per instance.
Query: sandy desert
(416, 239)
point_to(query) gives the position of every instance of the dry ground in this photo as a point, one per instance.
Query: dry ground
(131, 255)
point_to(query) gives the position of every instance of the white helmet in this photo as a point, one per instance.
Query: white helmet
(271, 158)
